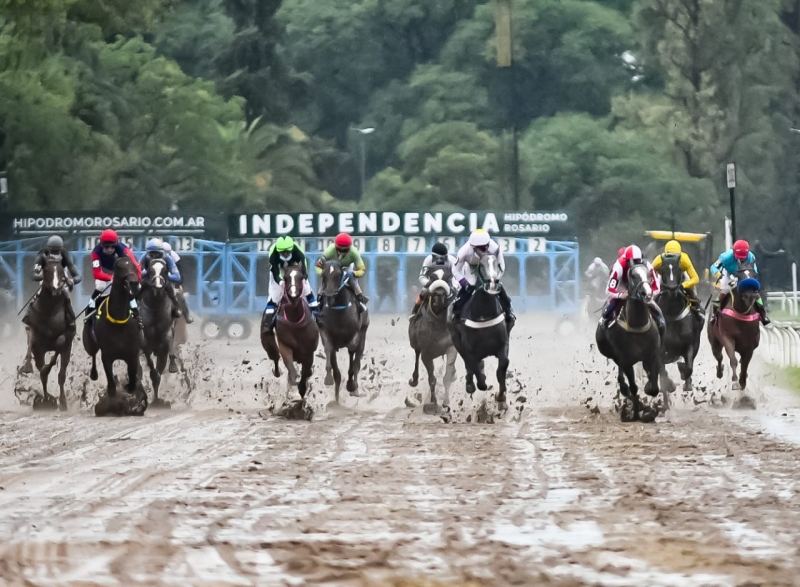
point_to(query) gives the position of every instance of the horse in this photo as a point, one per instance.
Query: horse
(684, 327)
(737, 329)
(341, 326)
(296, 335)
(482, 332)
(632, 338)
(47, 331)
(430, 337)
(156, 311)
(117, 335)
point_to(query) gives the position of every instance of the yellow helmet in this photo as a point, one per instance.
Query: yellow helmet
(673, 247)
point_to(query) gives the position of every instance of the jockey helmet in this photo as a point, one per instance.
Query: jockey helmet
(343, 243)
(439, 253)
(741, 249)
(155, 245)
(621, 252)
(479, 239)
(673, 247)
(109, 237)
(167, 247)
(55, 243)
(597, 261)
(284, 244)
(633, 255)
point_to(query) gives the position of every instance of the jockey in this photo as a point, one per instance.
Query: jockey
(469, 256)
(617, 288)
(728, 264)
(155, 250)
(104, 256)
(439, 257)
(673, 249)
(55, 250)
(342, 250)
(597, 269)
(178, 285)
(284, 254)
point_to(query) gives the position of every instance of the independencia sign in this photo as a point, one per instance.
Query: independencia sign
(320, 224)
(92, 223)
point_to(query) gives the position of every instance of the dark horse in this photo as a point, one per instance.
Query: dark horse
(341, 326)
(430, 337)
(156, 312)
(48, 332)
(482, 332)
(737, 329)
(296, 336)
(116, 334)
(632, 338)
(684, 327)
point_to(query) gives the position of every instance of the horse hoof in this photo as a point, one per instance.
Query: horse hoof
(470, 389)
(648, 415)
(26, 369)
(744, 402)
(736, 386)
(173, 367)
(432, 409)
(502, 406)
(62, 406)
(413, 382)
(719, 373)
(44, 403)
(651, 390)
(687, 386)
(93, 375)
(160, 404)
(351, 386)
(329, 380)
(482, 385)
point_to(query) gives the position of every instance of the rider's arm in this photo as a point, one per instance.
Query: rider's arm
(657, 262)
(299, 259)
(97, 268)
(128, 252)
(358, 263)
(655, 283)
(461, 260)
(423, 272)
(38, 271)
(686, 265)
(66, 259)
(275, 265)
(329, 253)
(172, 268)
(612, 288)
(144, 263)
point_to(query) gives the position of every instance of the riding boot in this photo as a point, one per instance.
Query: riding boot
(505, 303)
(762, 312)
(69, 315)
(461, 299)
(135, 313)
(176, 307)
(91, 308)
(716, 305)
(416, 307)
(362, 303)
(271, 316)
(312, 302)
(608, 312)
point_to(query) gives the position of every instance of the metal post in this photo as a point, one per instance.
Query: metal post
(794, 289)
(731, 177)
(363, 165)
(3, 190)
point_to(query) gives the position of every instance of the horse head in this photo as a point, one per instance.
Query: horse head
(332, 278)
(156, 275)
(53, 277)
(671, 276)
(489, 274)
(126, 276)
(745, 285)
(639, 283)
(439, 292)
(293, 283)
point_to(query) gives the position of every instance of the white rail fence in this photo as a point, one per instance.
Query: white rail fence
(780, 344)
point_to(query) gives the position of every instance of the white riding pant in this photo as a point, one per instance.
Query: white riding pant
(276, 289)
(725, 283)
(100, 285)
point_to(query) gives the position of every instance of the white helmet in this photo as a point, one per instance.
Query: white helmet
(155, 244)
(633, 254)
(479, 238)
(167, 247)
(597, 261)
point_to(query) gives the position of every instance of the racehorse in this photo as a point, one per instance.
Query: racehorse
(684, 327)
(296, 335)
(341, 326)
(430, 337)
(632, 338)
(737, 328)
(156, 313)
(48, 332)
(117, 335)
(482, 332)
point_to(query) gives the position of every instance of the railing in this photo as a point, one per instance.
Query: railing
(787, 299)
(781, 344)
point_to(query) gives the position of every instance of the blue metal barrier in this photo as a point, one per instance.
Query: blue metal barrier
(233, 278)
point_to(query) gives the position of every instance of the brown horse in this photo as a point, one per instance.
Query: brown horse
(47, 331)
(737, 329)
(296, 335)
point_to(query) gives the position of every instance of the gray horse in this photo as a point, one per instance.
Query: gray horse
(430, 337)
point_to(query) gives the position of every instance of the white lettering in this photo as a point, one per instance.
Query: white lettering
(453, 219)
(261, 224)
(391, 222)
(325, 221)
(411, 223)
(490, 223)
(367, 223)
(305, 223)
(346, 222)
(284, 223)
(473, 221)
(432, 223)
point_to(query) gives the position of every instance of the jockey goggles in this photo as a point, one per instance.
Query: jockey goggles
(342, 250)
(482, 248)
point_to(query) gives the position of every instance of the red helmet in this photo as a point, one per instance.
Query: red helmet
(109, 236)
(741, 249)
(633, 254)
(621, 252)
(343, 241)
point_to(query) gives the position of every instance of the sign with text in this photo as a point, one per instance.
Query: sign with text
(326, 224)
(91, 224)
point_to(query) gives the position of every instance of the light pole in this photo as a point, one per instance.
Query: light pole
(3, 190)
(364, 132)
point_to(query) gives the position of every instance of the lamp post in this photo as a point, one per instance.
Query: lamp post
(731, 176)
(364, 132)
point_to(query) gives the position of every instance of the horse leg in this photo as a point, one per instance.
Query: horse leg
(432, 405)
(305, 373)
(355, 363)
(93, 372)
(688, 370)
(624, 390)
(449, 373)
(133, 374)
(414, 381)
(108, 367)
(328, 346)
(27, 368)
(287, 354)
(161, 363)
(653, 367)
(746, 357)
(634, 393)
(468, 364)
(716, 350)
(62, 377)
(730, 350)
(155, 376)
(480, 374)
(666, 382)
(502, 369)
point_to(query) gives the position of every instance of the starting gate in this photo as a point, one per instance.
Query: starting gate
(230, 278)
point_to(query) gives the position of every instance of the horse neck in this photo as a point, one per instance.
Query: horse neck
(739, 304)
(637, 313)
(119, 298)
(484, 303)
(432, 314)
(672, 303)
(158, 303)
(294, 309)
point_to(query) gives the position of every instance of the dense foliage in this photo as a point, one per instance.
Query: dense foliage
(626, 110)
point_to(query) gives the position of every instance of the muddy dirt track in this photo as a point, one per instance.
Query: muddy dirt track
(218, 491)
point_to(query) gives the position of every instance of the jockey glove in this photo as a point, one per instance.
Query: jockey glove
(463, 282)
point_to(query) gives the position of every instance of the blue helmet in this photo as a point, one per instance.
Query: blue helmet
(155, 245)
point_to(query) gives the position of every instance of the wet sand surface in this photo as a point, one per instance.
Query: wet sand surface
(557, 491)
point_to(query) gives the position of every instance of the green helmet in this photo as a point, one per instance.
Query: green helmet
(55, 242)
(284, 243)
